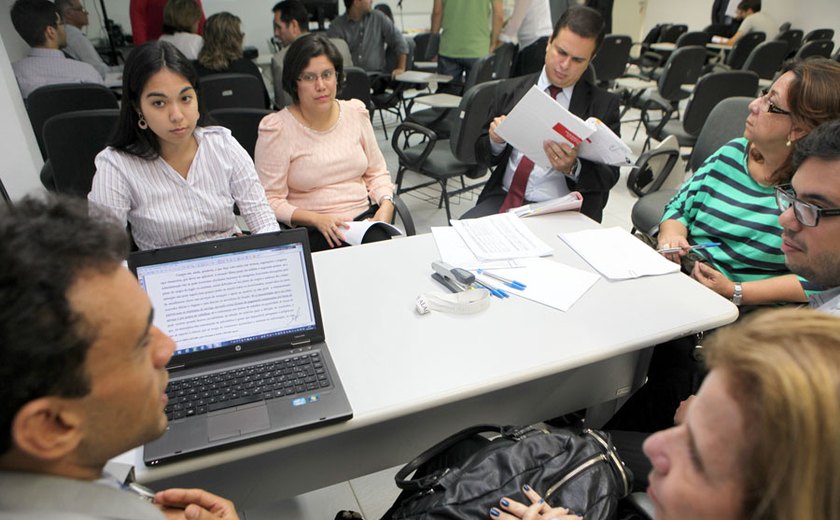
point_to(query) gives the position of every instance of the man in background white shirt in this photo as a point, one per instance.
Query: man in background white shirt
(78, 46)
(40, 24)
(754, 21)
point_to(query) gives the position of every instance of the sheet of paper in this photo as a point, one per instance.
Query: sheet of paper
(537, 118)
(454, 251)
(550, 283)
(500, 237)
(570, 202)
(617, 254)
(603, 146)
(357, 230)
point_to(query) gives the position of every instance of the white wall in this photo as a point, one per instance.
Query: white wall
(21, 158)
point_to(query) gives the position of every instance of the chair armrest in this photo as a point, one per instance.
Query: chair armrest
(642, 166)
(404, 131)
(405, 216)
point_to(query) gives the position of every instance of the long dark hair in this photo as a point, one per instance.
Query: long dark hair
(142, 63)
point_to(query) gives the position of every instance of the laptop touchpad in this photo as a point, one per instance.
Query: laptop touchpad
(238, 421)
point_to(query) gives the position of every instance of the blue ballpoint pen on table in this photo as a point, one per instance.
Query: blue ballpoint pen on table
(498, 293)
(696, 247)
(513, 284)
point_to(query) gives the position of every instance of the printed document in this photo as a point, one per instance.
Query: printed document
(617, 254)
(500, 237)
(570, 202)
(538, 118)
(454, 251)
(356, 233)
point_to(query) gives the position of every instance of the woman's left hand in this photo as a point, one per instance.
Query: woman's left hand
(539, 509)
(385, 213)
(713, 279)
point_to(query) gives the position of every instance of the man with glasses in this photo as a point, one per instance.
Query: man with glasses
(78, 46)
(810, 233)
(40, 24)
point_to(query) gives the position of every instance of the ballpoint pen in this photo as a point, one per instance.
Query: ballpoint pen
(698, 246)
(498, 293)
(513, 284)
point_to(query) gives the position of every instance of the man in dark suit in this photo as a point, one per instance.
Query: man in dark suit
(516, 180)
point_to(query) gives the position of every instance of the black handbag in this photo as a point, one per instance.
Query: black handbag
(579, 471)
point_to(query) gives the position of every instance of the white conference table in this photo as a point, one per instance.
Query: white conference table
(412, 380)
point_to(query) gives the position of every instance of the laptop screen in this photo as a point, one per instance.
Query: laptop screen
(230, 298)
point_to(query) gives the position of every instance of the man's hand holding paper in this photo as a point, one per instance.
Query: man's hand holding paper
(561, 155)
(496, 138)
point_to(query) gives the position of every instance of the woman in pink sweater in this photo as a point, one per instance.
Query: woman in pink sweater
(318, 159)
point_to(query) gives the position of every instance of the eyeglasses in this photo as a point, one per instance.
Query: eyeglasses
(772, 107)
(312, 77)
(80, 9)
(806, 214)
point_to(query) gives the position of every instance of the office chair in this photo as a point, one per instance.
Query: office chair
(439, 160)
(243, 124)
(653, 60)
(819, 34)
(815, 48)
(793, 37)
(671, 32)
(426, 46)
(530, 59)
(231, 91)
(611, 61)
(504, 56)
(766, 59)
(391, 99)
(356, 86)
(725, 122)
(742, 49)
(711, 89)
(50, 100)
(72, 151)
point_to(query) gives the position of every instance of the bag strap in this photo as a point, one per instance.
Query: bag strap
(428, 481)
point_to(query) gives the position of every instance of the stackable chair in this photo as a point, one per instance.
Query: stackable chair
(611, 60)
(815, 48)
(231, 91)
(243, 124)
(818, 34)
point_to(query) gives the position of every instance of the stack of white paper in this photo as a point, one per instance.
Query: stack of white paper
(500, 237)
(547, 282)
(617, 254)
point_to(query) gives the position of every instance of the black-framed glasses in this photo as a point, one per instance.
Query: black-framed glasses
(772, 107)
(312, 77)
(806, 213)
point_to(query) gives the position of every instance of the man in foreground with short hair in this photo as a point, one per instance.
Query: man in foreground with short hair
(810, 229)
(516, 179)
(83, 370)
(40, 24)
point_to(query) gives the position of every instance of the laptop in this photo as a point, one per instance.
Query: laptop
(250, 359)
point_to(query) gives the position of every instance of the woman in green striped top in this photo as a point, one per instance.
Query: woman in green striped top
(730, 199)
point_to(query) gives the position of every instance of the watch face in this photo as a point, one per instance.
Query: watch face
(142, 492)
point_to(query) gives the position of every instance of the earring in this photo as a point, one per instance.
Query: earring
(144, 125)
(788, 143)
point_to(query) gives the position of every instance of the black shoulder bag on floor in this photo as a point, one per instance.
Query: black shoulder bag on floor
(578, 471)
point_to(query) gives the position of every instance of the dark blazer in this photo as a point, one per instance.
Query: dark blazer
(595, 180)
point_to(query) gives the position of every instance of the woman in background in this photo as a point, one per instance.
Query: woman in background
(172, 179)
(180, 27)
(222, 51)
(318, 158)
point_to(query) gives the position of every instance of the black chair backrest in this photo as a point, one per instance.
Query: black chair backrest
(426, 46)
(243, 123)
(815, 48)
(530, 59)
(50, 100)
(725, 122)
(72, 151)
(612, 57)
(793, 37)
(670, 33)
(784, 27)
(505, 53)
(356, 85)
(717, 29)
(742, 49)
(482, 71)
(819, 34)
(693, 38)
(386, 10)
(683, 67)
(711, 89)
(767, 58)
(231, 91)
(474, 112)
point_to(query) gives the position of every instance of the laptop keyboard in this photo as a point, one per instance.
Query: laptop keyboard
(287, 377)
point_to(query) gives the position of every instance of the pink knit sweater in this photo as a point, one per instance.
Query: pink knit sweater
(331, 172)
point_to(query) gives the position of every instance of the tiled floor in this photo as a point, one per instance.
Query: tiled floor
(372, 494)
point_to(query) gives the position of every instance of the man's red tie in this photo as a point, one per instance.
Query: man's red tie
(516, 193)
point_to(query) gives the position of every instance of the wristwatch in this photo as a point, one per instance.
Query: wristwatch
(738, 295)
(386, 197)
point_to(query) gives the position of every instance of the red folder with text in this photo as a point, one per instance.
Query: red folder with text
(538, 118)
